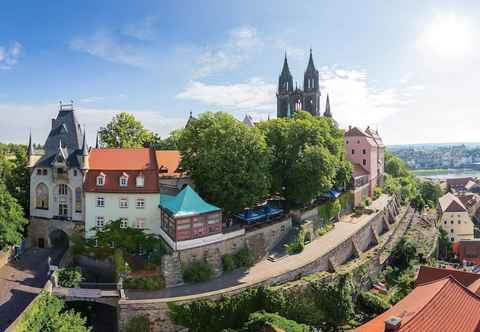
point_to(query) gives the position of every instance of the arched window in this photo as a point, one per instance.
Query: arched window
(124, 180)
(78, 199)
(41, 196)
(62, 189)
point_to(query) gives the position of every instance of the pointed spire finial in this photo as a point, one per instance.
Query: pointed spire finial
(311, 65)
(327, 113)
(30, 146)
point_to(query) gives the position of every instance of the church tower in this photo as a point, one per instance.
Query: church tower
(285, 89)
(311, 89)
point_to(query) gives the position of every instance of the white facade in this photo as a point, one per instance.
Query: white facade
(458, 225)
(57, 195)
(126, 206)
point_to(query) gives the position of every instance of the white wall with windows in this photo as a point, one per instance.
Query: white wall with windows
(458, 225)
(136, 210)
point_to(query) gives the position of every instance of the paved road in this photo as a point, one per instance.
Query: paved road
(21, 281)
(266, 269)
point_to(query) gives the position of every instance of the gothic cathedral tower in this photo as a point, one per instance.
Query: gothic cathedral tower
(285, 89)
(311, 89)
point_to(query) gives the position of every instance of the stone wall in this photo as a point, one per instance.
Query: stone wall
(40, 228)
(259, 241)
(157, 309)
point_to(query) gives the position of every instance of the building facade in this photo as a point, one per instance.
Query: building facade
(454, 218)
(291, 99)
(366, 152)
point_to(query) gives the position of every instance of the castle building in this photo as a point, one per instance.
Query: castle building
(366, 151)
(57, 173)
(291, 99)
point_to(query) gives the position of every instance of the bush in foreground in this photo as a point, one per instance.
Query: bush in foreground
(198, 271)
(70, 277)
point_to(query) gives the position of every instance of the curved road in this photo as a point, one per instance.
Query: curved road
(22, 280)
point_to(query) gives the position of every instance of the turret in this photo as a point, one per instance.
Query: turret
(285, 80)
(327, 113)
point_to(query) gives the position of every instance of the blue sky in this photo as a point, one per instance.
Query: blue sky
(395, 65)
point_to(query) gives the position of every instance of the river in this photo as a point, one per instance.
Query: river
(442, 174)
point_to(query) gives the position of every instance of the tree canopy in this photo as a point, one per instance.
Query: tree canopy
(12, 219)
(124, 131)
(15, 174)
(228, 161)
(307, 156)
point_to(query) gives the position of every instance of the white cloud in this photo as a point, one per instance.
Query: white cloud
(143, 30)
(110, 47)
(254, 94)
(241, 42)
(355, 101)
(9, 55)
(95, 99)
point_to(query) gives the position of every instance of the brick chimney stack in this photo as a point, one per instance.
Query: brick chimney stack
(393, 324)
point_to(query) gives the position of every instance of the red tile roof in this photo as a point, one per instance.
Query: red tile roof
(441, 305)
(459, 181)
(168, 163)
(114, 162)
(427, 274)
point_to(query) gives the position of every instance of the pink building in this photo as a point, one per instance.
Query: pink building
(365, 150)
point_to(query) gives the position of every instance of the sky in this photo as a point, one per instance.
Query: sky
(408, 68)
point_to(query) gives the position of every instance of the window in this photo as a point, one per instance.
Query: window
(100, 202)
(353, 151)
(62, 189)
(39, 171)
(347, 141)
(101, 180)
(451, 222)
(141, 223)
(123, 203)
(451, 230)
(100, 221)
(75, 172)
(140, 203)
(123, 181)
(140, 181)
(445, 222)
(78, 199)
(364, 162)
(459, 222)
(364, 151)
(60, 171)
(123, 223)
(111, 244)
(41, 196)
(358, 142)
(45, 172)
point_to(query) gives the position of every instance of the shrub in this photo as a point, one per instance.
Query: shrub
(121, 267)
(228, 263)
(138, 323)
(371, 303)
(69, 277)
(198, 271)
(244, 258)
(144, 283)
(324, 229)
(258, 321)
(377, 192)
(367, 202)
(297, 245)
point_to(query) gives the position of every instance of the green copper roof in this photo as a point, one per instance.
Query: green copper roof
(187, 202)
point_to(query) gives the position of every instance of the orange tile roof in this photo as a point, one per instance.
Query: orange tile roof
(168, 162)
(442, 305)
(121, 159)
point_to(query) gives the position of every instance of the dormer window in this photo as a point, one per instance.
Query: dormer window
(101, 180)
(140, 181)
(124, 180)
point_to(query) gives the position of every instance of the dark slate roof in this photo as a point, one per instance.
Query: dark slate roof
(285, 69)
(311, 66)
(65, 129)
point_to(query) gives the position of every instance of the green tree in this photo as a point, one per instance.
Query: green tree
(12, 220)
(227, 160)
(430, 192)
(395, 166)
(403, 254)
(445, 250)
(15, 174)
(169, 143)
(258, 321)
(308, 156)
(47, 315)
(124, 131)
(69, 277)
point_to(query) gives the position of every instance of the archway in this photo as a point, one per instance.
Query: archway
(308, 238)
(101, 317)
(59, 239)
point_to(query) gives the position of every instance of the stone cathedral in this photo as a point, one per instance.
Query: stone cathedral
(291, 99)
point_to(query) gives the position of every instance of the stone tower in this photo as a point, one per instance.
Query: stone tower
(311, 89)
(291, 99)
(285, 105)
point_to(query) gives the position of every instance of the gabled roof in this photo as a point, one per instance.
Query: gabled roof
(427, 274)
(355, 131)
(186, 203)
(168, 162)
(451, 203)
(122, 159)
(441, 305)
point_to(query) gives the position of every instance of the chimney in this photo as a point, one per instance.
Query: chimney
(393, 324)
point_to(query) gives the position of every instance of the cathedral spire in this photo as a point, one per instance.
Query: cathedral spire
(327, 113)
(310, 66)
(285, 69)
(84, 144)
(30, 146)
